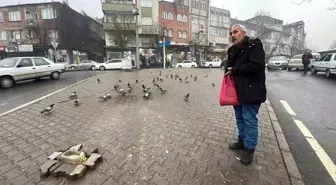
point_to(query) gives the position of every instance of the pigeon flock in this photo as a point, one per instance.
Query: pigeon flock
(146, 90)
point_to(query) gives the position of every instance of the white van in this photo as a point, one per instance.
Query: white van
(296, 61)
(115, 64)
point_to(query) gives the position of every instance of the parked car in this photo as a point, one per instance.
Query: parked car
(185, 64)
(325, 64)
(277, 62)
(115, 64)
(212, 63)
(24, 68)
(84, 64)
(296, 61)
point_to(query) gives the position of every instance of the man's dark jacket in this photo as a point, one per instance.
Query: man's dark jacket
(248, 70)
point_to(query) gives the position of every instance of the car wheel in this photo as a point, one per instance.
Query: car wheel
(179, 66)
(210, 66)
(312, 70)
(93, 67)
(102, 68)
(6, 82)
(328, 74)
(289, 69)
(72, 67)
(192, 66)
(55, 75)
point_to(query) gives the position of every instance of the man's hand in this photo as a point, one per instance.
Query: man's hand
(229, 72)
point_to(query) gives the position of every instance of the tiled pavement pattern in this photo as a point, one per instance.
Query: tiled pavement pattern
(163, 140)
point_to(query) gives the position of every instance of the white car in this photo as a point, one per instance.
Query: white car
(186, 64)
(24, 68)
(325, 64)
(84, 64)
(277, 62)
(296, 61)
(115, 64)
(212, 63)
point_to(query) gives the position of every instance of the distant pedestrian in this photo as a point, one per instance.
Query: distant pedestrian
(246, 64)
(306, 57)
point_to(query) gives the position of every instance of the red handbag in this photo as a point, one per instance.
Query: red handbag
(228, 94)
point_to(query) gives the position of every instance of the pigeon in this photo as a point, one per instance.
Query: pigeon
(206, 76)
(122, 92)
(119, 81)
(160, 73)
(98, 80)
(73, 95)
(171, 76)
(161, 79)
(145, 89)
(129, 85)
(187, 81)
(147, 95)
(48, 109)
(108, 96)
(103, 98)
(163, 91)
(129, 89)
(76, 102)
(166, 76)
(116, 87)
(213, 85)
(136, 81)
(186, 97)
(180, 79)
(158, 86)
(186, 78)
(190, 76)
(195, 78)
(153, 81)
(157, 78)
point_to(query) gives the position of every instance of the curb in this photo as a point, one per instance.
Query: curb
(292, 169)
(46, 96)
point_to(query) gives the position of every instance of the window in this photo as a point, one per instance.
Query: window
(115, 61)
(179, 17)
(185, 18)
(48, 13)
(146, 3)
(335, 58)
(164, 15)
(165, 32)
(185, 2)
(14, 16)
(220, 18)
(2, 17)
(327, 59)
(170, 33)
(179, 34)
(25, 62)
(3, 35)
(184, 34)
(16, 35)
(202, 23)
(8, 62)
(147, 20)
(187, 61)
(194, 20)
(40, 62)
(170, 16)
(225, 19)
(194, 5)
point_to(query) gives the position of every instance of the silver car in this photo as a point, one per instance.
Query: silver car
(84, 64)
(277, 62)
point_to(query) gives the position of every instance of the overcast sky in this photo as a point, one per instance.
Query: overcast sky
(320, 22)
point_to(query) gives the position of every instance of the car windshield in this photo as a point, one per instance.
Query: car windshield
(278, 58)
(8, 62)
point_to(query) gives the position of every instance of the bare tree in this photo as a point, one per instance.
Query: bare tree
(333, 45)
(332, 6)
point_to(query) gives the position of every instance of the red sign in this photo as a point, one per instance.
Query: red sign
(2, 48)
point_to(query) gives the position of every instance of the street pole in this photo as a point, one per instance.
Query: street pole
(164, 51)
(137, 60)
(55, 55)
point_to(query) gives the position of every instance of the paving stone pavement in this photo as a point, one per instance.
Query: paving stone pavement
(162, 140)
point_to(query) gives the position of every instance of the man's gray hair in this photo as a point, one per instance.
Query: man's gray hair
(241, 27)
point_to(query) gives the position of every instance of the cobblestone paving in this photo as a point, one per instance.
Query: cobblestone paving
(162, 140)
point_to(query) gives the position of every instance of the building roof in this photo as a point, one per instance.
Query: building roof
(259, 16)
(212, 8)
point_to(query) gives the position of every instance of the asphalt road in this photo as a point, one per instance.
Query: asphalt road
(313, 100)
(27, 91)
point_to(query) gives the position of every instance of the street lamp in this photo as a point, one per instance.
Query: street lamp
(137, 60)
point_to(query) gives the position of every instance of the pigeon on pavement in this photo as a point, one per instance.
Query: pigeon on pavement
(73, 95)
(187, 81)
(129, 85)
(116, 87)
(163, 91)
(48, 109)
(129, 89)
(108, 96)
(153, 81)
(191, 76)
(147, 94)
(186, 97)
(195, 78)
(122, 92)
(76, 102)
(213, 85)
(161, 79)
(171, 76)
(180, 79)
(145, 89)
(119, 81)
(98, 80)
(136, 81)
(103, 97)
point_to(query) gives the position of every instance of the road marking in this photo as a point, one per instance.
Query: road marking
(320, 152)
(325, 159)
(44, 97)
(288, 108)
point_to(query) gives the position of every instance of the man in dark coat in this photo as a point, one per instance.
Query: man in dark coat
(246, 64)
(306, 57)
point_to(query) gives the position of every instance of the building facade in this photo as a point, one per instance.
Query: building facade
(120, 27)
(30, 29)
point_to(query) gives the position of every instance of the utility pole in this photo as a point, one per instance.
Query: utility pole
(136, 14)
(164, 51)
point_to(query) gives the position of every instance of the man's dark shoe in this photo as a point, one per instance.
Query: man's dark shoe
(247, 157)
(239, 145)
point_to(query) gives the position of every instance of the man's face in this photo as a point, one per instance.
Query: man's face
(237, 36)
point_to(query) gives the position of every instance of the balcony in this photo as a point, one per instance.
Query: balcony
(31, 22)
(113, 5)
(119, 26)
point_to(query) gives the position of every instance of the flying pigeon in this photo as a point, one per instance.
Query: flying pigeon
(213, 85)
(48, 109)
(73, 95)
(122, 92)
(180, 79)
(98, 80)
(163, 91)
(147, 95)
(186, 97)
(76, 102)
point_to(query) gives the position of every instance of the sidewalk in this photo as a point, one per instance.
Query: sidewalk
(163, 140)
